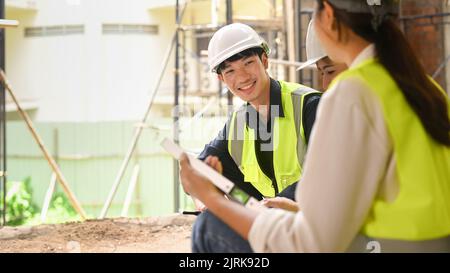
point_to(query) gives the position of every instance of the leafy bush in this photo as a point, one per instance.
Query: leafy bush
(21, 210)
(60, 209)
(19, 204)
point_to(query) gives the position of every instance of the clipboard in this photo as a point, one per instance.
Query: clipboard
(222, 183)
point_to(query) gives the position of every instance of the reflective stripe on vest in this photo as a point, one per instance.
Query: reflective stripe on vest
(287, 161)
(421, 210)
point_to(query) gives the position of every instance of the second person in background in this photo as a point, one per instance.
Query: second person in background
(316, 56)
(263, 144)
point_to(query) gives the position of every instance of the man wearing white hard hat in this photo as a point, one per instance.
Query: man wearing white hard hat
(316, 56)
(379, 181)
(263, 144)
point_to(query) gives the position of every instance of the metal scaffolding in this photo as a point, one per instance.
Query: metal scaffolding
(176, 132)
(2, 122)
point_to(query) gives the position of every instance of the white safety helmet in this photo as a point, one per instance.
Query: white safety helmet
(230, 40)
(314, 50)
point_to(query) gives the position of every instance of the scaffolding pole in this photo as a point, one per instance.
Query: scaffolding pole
(138, 129)
(2, 122)
(176, 132)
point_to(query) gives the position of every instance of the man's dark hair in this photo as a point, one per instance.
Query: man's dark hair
(241, 55)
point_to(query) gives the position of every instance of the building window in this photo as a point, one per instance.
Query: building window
(129, 29)
(61, 30)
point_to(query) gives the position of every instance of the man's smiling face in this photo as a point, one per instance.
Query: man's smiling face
(247, 78)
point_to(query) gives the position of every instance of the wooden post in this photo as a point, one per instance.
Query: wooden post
(3, 24)
(76, 205)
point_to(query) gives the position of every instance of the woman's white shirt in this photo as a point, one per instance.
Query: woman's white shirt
(349, 162)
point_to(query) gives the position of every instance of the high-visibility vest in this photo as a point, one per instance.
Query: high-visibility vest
(421, 210)
(288, 133)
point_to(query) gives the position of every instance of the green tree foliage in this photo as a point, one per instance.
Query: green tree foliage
(20, 206)
(21, 209)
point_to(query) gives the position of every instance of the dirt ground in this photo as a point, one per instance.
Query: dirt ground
(158, 234)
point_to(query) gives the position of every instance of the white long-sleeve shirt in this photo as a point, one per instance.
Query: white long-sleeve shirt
(349, 162)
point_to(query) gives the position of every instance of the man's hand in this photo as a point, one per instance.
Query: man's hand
(196, 184)
(214, 163)
(281, 203)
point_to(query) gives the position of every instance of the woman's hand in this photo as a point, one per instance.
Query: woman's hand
(196, 184)
(281, 203)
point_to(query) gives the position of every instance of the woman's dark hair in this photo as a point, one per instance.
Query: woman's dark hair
(243, 54)
(397, 56)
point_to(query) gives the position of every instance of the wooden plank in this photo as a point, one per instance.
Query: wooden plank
(61, 179)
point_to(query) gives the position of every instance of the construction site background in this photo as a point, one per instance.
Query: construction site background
(85, 71)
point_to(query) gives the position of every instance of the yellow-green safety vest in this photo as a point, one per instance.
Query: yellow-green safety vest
(288, 133)
(421, 210)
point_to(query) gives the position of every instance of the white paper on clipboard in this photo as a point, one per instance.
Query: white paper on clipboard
(216, 178)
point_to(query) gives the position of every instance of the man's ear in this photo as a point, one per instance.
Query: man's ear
(265, 60)
(220, 77)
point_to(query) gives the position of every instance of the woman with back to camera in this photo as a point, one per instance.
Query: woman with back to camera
(378, 165)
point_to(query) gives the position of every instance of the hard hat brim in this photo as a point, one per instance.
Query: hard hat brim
(310, 62)
(236, 51)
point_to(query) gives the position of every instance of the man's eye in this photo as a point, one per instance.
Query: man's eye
(249, 62)
(229, 72)
(330, 72)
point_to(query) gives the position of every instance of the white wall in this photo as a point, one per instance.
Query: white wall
(91, 76)
(95, 77)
